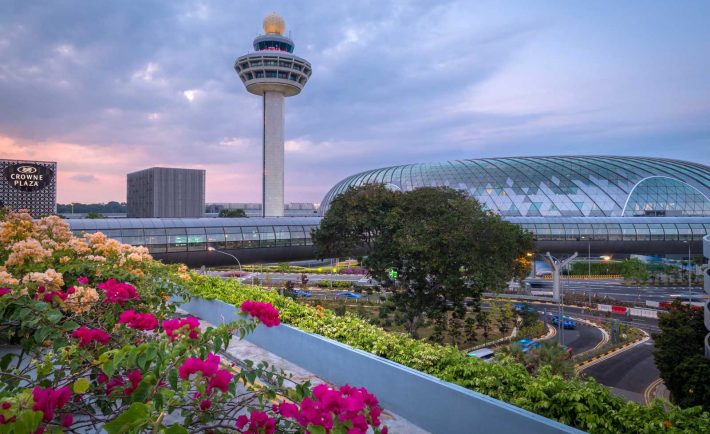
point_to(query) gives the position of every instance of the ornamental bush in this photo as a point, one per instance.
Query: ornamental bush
(94, 345)
(584, 404)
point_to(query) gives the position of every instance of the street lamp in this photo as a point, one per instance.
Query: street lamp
(212, 249)
(589, 255)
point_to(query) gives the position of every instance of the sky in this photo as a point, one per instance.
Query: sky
(108, 88)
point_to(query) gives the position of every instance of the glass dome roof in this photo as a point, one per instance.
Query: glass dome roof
(560, 186)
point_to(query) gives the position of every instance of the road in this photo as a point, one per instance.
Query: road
(616, 290)
(582, 338)
(628, 373)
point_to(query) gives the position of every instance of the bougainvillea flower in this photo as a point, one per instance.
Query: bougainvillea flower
(118, 292)
(176, 326)
(264, 312)
(5, 291)
(209, 368)
(258, 423)
(82, 280)
(87, 336)
(48, 400)
(138, 321)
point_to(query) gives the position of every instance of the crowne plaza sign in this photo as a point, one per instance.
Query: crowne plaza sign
(28, 177)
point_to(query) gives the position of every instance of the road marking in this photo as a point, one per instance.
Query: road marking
(648, 394)
(598, 359)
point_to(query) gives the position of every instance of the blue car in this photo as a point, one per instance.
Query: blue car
(301, 293)
(527, 344)
(567, 322)
(348, 294)
(522, 307)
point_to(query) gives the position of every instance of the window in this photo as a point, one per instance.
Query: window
(266, 236)
(642, 232)
(614, 232)
(283, 236)
(251, 236)
(177, 240)
(233, 238)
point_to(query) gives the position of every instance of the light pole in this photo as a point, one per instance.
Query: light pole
(690, 288)
(212, 249)
(589, 255)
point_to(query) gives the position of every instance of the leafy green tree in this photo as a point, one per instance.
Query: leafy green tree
(94, 215)
(442, 245)
(635, 271)
(228, 212)
(678, 346)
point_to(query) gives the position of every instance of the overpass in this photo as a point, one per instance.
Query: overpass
(276, 239)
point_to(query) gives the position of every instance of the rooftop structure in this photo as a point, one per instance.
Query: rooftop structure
(568, 186)
(166, 193)
(273, 72)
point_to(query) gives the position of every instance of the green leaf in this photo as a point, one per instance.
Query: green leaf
(173, 378)
(80, 386)
(141, 392)
(314, 429)
(174, 429)
(5, 361)
(130, 420)
(28, 421)
(70, 325)
(54, 316)
(41, 334)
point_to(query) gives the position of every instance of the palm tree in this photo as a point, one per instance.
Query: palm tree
(552, 354)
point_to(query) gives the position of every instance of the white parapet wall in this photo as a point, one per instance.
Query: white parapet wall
(426, 401)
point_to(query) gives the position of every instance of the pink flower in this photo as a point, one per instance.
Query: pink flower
(349, 406)
(259, 423)
(209, 368)
(221, 380)
(264, 312)
(67, 420)
(102, 378)
(5, 291)
(177, 326)
(49, 400)
(118, 293)
(138, 321)
(86, 336)
(5, 405)
(48, 296)
(205, 404)
(135, 376)
(82, 280)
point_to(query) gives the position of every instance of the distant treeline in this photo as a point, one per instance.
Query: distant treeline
(102, 208)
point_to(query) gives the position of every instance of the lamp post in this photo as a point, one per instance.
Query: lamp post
(212, 249)
(690, 288)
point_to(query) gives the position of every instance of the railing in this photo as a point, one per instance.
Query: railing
(426, 401)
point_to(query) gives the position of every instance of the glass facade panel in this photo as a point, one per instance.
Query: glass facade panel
(266, 236)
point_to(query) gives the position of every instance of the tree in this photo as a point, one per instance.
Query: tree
(679, 355)
(550, 353)
(635, 271)
(227, 212)
(431, 246)
(94, 215)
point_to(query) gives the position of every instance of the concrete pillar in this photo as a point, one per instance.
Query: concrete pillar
(273, 176)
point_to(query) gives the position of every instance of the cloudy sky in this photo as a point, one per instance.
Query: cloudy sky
(106, 88)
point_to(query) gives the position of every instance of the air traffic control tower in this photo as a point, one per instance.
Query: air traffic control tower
(273, 72)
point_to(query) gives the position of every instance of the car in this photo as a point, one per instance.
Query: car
(301, 293)
(366, 281)
(567, 322)
(485, 354)
(523, 307)
(527, 344)
(348, 294)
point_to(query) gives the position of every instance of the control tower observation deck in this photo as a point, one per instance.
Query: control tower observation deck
(273, 72)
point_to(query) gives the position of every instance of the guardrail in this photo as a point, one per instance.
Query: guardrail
(426, 401)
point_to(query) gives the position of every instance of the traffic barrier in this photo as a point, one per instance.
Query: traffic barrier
(619, 309)
(604, 307)
(651, 303)
(645, 313)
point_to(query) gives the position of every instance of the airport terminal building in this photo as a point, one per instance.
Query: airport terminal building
(602, 205)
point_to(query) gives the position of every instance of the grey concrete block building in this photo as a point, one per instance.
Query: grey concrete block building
(163, 192)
